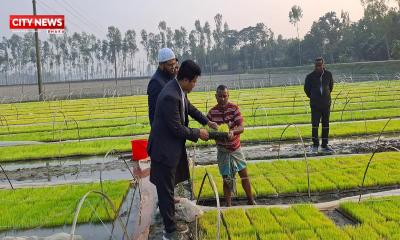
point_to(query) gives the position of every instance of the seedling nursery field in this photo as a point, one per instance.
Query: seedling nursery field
(55, 153)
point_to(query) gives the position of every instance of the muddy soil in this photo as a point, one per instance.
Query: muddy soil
(66, 170)
(339, 218)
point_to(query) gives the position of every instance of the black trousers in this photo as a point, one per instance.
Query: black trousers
(163, 177)
(320, 115)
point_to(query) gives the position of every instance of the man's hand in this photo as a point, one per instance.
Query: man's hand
(203, 134)
(231, 135)
(212, 125)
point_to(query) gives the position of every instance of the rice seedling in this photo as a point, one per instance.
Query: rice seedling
(274, 236)
(332, 233)
(388, 230)
(314, 218)
(55, 206)
(362, 213)
(327, 174)
(208, 229)
(289, 220)
(263, 221)
(238, 225)
(304, 235)
(298, 222)
(363, 232)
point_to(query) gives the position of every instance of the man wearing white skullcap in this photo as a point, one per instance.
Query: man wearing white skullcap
(165, 72)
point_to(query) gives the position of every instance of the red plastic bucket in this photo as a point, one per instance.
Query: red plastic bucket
(139, 149)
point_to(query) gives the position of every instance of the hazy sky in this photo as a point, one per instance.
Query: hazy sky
(95, 15)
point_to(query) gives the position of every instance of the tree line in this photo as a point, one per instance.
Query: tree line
(215, 46)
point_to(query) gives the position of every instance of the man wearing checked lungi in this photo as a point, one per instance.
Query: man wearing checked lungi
(230, 156)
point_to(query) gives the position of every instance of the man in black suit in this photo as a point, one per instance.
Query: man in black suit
(168, 135)
(318, 87)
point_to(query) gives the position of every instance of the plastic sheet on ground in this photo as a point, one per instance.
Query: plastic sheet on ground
(187, 210)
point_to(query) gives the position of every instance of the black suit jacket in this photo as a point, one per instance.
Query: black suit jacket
(170, 130)
(156, 84)
(312, 86)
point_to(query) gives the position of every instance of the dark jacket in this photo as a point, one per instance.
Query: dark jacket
(170, 131)
(312, 89)
(156, 84)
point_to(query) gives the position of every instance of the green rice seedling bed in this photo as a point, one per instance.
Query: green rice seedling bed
(305, 222)
(249, 109)
(79, 109)
(289, 92)
(44, 109)
(70, 131)
(87, 124)
(298, 222)
(101, 146)
(379, 218)
(253, 117)
(289, 178)
(28, 208)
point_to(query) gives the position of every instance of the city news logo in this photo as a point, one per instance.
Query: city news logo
(54, 24)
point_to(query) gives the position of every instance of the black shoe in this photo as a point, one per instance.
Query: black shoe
(181, 228)
(327, 149)
(314, 149)
(171, 236)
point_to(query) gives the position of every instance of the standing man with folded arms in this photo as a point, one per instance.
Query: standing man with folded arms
(169, 132)
(318, 87)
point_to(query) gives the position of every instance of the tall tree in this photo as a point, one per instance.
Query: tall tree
(130, 47)
(115, 43)
(145, 43)
(162, 27)
(295, 15)
(218, 37)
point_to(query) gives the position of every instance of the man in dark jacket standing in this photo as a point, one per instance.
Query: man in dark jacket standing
(318, 87)
(169, 132)
(165, 72)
